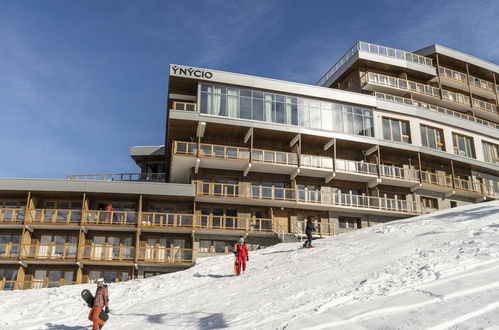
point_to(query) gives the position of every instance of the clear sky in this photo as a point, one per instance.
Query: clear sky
(82, 81)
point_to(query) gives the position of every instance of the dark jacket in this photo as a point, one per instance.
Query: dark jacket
(310, 227)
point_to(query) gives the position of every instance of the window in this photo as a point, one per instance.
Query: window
(7, 278)
(52, 278)
(432, 137)
(350, 223)
(9, 245)
(429, 203)
(463, 145)
(491, 152)
(396, 130)
(285, 109)
(453, 204)
(109, 276)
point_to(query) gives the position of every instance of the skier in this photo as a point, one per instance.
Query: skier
(101, 301)
(241, 252)
(308, 231)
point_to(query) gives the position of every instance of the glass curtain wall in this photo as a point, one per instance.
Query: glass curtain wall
(285, 109)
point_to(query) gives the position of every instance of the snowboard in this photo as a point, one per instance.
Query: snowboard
(88, 297)
(308, 247)
(235, 264)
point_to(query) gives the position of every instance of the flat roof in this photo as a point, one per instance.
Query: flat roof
(456, 54)
(115, 187)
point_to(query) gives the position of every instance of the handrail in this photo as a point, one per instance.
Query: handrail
(152, 177)
(165, 255)
(248, 191)
(374, 49)
(465, 78)
(123, 218)
(322, 229)
(49, 251)
(449, 112)
(106, 252)
(404, 84)
(12, 215)
(55, 216)
(9, 250)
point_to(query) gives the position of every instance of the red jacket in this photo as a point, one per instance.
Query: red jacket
(101, 297)
(241, 250)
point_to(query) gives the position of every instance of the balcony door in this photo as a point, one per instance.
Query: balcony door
(157, 249)
(57, 247)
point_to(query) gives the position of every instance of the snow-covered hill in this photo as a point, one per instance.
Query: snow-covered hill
(435, 271)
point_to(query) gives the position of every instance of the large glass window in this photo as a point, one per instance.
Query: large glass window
(491, 152)
(285, 109)
(463, 145)
(432, 137)
(396, 130)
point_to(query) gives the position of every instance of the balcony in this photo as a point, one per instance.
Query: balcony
(54, 217)
(9, 251)
(163, 255)
(443, 183)
(111, 218)
(323, 229)
(9, 285)
(445, 111)
(245, 193)
(460, 80)
(398, 86)
(39, 284)
(209, 222)
(141, 177)
(108, 254)
(51, 252)
(14, 216)
(364, 47)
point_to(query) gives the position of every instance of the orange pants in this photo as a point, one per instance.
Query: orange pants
(94, 317)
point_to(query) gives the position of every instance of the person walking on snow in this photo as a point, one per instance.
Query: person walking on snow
(308, 231)
(101, 302)
(241, 252)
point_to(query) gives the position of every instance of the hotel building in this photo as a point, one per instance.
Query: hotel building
(385, 134)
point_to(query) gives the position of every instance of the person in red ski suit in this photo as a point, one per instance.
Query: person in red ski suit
(101, 301)
(241, 252)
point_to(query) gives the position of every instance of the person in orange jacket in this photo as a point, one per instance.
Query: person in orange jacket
(241, 252)
(101, 302)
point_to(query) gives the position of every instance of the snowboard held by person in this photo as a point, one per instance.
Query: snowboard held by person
(308, 231)
(101, 302)
(241, 252)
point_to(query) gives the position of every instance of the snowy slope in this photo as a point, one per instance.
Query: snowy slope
(435, 271)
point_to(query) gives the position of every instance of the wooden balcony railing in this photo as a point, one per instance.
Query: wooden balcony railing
(248, 191)
(148, 177)
(165, 255)
(115, 218)
(9, 251)
(9, 285)
(108, 253)
(323, 229)
(184, 106)
(49, 251)
(38, 284)
(396, 172)
(51, 216)
(436, 179)
(167, 220)
(476, 187)
(464, 78)
(16, 215)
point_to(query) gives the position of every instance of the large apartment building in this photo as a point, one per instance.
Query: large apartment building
(384, 134)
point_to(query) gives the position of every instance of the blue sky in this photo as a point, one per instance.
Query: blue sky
(82, 81)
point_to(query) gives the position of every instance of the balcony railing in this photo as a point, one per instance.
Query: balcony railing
(322, 229)
(147, 177)
(49, 251)
(185, 106)
(259, 192)
(9, 285)
(106, 218)
(12, 215)
(165, 255)
(108, 253)
(436, 179)
(396, 172)
(38, 284)
(9, 251)
(53, 216)
(449, 112)
(464, 78)
(350, 166)
(472, 186)
(375, 49)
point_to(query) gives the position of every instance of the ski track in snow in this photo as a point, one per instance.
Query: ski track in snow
(437, 271)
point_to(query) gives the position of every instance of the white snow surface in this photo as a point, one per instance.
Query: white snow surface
(436, 271)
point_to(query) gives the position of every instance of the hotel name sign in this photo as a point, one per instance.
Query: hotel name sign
(190, 72)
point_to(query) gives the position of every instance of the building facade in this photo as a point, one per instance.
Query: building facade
(385, 134)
